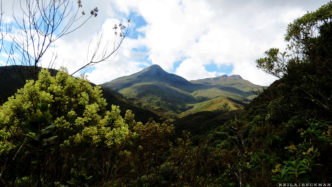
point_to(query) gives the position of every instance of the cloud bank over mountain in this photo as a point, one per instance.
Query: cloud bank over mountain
(184, 36)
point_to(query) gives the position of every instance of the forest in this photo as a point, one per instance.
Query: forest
(60, 130)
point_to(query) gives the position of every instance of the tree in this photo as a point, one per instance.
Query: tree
(274, 63)
(301, 34)
(39, 24)
(302, 42)
(58, 129)
(294, 114)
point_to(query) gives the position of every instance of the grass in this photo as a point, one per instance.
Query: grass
(217, 104)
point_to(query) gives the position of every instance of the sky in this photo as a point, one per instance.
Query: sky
(194, 39)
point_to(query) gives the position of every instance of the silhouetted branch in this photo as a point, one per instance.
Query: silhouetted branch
(120, 32)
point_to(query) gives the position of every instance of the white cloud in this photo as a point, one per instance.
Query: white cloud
(74, 54)
(173, 28)
(220, 31)
(225, 32)
(121, 64)
(188, 69)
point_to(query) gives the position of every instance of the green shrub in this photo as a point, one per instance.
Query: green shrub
(58, 129)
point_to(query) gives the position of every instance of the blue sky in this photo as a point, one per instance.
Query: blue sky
(192, 38)
(137, 22)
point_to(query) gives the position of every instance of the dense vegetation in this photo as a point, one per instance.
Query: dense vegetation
(284, 135)
(59, 130)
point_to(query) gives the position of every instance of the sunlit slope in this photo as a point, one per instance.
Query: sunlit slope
(221, 103)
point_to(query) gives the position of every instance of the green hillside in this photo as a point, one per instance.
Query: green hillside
(216, 104)
(171, 98)
(170, 95)
(233, 81)
(153, 73)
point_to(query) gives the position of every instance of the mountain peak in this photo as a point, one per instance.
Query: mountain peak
(236, 76)
(153, 73)
(155, 66)
(223, 77)
(153, 70)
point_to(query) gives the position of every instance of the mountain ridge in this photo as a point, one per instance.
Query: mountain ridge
(153, 73)
(158, 90)
(156, 68)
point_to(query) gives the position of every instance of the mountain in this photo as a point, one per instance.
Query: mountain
(169, 94)
(153, 73)
(155, 89)
(233, 84)
(13, 78)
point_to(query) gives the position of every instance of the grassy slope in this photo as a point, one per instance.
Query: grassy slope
(233, 86)
(211, 93)
(152, 73)
(166, 92)
(161, 98)
(217, 104)
(233, 81)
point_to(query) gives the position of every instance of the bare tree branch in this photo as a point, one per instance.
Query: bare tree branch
(120, 32)
(38, 24)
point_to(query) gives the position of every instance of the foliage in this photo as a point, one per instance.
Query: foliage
(14, 77)
(302, 37)
(57, 129)
(274, 62)
(303, 157)
(289, 136)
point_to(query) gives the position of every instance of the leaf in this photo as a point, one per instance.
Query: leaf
(284, 172)
(33, 136)
(49, 140)
(72, 181)
(302, 172)
(47, 129)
